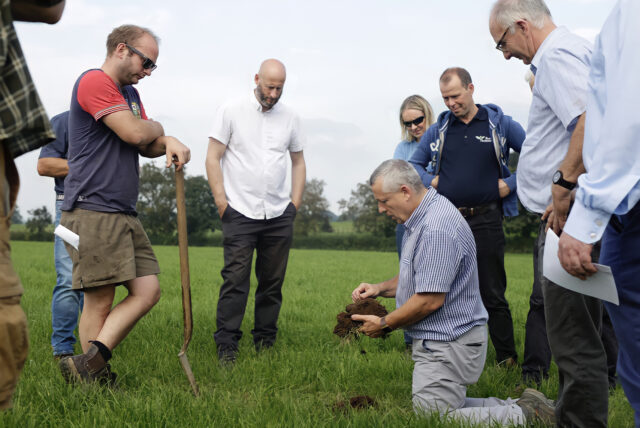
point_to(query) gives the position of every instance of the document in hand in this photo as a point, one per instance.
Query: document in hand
(600, 285)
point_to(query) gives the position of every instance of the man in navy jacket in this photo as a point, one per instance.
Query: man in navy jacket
(471, 170)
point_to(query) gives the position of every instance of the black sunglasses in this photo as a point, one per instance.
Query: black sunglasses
(417, 121)
(501, 43)
(147, 64)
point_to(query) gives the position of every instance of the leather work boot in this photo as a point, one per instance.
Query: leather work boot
(537, 408)
(86, 368)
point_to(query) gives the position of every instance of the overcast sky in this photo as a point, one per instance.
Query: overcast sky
(350, 63)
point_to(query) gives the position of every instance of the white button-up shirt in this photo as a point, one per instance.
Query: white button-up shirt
(254, 165)
(561, 66)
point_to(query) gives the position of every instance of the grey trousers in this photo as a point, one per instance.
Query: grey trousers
(442, 372)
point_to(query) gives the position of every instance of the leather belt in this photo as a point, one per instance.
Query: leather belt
(480, 209)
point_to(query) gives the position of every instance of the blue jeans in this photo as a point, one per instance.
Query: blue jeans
(65, 303)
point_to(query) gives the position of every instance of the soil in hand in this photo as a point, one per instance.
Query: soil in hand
(347, 327)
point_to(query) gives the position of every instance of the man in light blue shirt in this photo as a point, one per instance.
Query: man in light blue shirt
(547, 170)
(606, 203)
(438, 303)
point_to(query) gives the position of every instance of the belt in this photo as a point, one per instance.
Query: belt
(480, 209)
(60, 197)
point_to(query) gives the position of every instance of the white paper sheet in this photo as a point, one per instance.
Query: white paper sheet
(600, 284)
(67, 236)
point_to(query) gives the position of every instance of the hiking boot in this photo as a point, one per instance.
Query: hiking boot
(263, 344)
(58, 357)
(536, 407)
(509, 363)
(227, 353)
(87, 368)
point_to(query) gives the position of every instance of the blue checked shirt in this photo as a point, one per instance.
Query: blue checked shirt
(611, 149)
(561, 66)
(439, 256)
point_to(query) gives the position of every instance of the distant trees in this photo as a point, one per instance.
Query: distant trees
(157, 206)
(16, 218)
(362, 208)
(313, 215)
(38, 222)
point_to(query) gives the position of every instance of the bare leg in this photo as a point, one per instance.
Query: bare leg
(97, 306)
(144, 293)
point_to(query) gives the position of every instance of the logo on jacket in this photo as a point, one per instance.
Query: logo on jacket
(135, 109)
(483, 139)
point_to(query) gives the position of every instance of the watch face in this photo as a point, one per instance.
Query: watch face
(557, 176)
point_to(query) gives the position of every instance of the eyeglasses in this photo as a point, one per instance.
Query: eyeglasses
(417, 121)
(147, 64)
(501, 45)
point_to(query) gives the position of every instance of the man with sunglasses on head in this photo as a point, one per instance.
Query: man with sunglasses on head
(108, 130)
(549, 165)
(465, 156)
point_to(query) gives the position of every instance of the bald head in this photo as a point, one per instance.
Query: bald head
(269, 83)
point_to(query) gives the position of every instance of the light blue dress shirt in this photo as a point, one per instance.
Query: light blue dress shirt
(404, 150)
(611, 149)
(561, 65)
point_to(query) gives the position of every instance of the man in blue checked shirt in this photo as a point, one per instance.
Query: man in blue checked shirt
(438, 304)
(606, 203)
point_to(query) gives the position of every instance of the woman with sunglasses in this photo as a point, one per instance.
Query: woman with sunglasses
(416, 116)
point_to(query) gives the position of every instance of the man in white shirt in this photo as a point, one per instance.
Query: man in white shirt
(247, 169)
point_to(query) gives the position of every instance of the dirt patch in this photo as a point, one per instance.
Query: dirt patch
(347, 327)
(359, 402)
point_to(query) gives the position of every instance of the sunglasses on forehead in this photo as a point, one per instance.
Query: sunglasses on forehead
(147, 64)
(417, 121)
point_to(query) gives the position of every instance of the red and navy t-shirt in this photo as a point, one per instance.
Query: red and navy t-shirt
(103, 169)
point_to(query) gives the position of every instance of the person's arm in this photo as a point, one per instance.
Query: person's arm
(515, 136)
(421, 157)
(571, 168)
(53, 167)
(30, 11)
(176, 152)
(385, 289)
(214, 174)
(419, 306)
(131, 130)
(298, 177)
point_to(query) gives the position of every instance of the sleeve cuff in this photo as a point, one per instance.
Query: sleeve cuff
(586, 224)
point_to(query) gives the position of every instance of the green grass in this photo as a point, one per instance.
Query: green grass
(294, 384)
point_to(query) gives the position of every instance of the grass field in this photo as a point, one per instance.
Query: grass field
(296, 383)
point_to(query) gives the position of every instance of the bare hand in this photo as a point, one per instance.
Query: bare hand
(222, 207)
(548, 216)
(503, 189)
(176, 152)
(363, 291)
(575, 256)
(434, 182)
(371, 325)
(561, 204)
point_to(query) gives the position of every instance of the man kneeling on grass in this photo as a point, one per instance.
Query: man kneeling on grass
(108, 130)
(438, 303)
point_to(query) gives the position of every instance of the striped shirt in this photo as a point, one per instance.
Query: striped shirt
(561, 66)
(439, 256)
(24, 125)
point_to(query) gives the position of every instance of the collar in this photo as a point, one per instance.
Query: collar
(481, 114)
(416, 216)
(547, 44)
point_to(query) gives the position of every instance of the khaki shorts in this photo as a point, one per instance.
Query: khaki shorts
(14, 345)
(113, 249)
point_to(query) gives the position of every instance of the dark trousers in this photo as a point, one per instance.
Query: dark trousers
(573, 323)
(489, 236)
(272, 240)
(621, 251)
(537, 354)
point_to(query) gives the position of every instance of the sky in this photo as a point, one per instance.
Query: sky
(350, 64)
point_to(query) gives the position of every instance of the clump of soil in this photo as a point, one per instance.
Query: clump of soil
(359, 402)
(347, 327)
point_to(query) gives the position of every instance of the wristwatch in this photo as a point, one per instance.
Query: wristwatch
(557, 179)
(385, 327)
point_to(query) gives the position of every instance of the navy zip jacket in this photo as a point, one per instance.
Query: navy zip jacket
(506, 133)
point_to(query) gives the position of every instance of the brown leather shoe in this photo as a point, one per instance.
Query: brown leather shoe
(86, 368)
